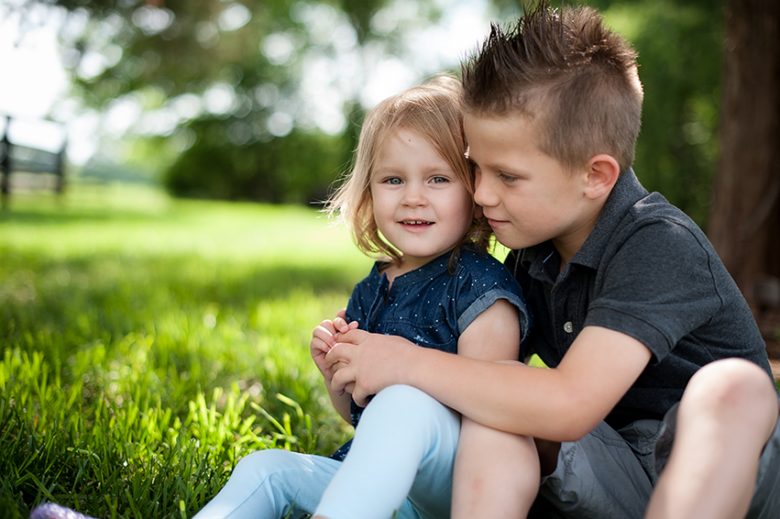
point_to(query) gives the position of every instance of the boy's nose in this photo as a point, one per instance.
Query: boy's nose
(483, 193)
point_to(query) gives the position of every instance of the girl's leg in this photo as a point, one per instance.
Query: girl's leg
(404, 446)
(496, 473)
(265, 484)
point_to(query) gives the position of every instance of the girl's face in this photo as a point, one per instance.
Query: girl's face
(420, 205)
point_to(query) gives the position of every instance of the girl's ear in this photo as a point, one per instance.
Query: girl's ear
(602, 171)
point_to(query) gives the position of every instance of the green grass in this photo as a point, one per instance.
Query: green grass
(149, 343)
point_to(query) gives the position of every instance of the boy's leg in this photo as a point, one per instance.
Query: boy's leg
(404, 445)
(496, 473)
(265, 484)
(604, 474)
(728, 412)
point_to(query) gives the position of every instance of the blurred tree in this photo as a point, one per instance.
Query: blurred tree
(745, 216)
(680, 46)
(296, 168)
(234, 77)
(232, 81)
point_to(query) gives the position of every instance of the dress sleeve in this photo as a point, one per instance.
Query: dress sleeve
(482, 283)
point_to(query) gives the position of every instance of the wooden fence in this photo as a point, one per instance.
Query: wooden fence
(16, 158)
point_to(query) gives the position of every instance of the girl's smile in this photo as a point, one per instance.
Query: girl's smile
(419, 224)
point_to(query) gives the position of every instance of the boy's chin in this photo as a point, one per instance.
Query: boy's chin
(516, 244)
(512, 242)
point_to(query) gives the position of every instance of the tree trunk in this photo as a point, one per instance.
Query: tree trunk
(744, 222)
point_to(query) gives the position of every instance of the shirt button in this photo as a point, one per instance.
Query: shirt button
(567, 327)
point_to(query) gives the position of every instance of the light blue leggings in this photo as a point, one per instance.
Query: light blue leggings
(400, 461)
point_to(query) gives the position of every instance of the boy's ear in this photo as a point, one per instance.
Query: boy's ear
(602, 173)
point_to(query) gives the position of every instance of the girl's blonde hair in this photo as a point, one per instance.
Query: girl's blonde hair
(432, 110)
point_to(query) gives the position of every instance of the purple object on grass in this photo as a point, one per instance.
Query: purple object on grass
(52, 511)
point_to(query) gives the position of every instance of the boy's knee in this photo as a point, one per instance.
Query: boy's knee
(732, 384)
(483, 435)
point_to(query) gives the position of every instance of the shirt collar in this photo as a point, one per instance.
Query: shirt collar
(431, 269)
(626, 192)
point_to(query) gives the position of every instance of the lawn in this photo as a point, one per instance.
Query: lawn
(149, 343)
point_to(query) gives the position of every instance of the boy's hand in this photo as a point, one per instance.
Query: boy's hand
(368, 370)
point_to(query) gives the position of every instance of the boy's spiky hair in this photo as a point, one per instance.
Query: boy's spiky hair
(570, 74)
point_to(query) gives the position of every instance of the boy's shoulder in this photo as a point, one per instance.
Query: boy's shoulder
(655, 235)
(632, 219)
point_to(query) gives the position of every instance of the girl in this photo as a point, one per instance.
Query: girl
(409, 197)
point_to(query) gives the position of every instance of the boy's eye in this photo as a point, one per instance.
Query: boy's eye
(506, 178)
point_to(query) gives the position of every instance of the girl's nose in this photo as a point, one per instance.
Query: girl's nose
(414, 195)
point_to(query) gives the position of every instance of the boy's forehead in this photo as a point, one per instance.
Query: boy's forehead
(511, 130)
(478, 122)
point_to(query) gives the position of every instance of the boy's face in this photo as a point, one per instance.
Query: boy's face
(527, 196)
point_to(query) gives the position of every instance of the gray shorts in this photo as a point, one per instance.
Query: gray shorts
(611, 474)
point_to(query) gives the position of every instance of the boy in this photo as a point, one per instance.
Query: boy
(651, 346)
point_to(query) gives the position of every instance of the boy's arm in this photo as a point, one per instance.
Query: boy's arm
(560, 404)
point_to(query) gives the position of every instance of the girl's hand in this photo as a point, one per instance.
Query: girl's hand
(341, 325)
(372, 363)
(324, 337)
(322, 340)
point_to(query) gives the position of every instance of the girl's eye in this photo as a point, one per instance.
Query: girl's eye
(395, 181)
(439, 180)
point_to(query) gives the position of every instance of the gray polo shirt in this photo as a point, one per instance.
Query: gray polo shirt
(648, 271)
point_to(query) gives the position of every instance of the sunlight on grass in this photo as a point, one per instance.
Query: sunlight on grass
(149, 343)
(144, 222)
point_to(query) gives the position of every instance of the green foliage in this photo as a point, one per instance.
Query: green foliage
(295, 169)
(680, 47)
(175, 58)
(148, 345)
(182, 46)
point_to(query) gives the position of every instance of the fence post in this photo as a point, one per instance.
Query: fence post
(5, 163)
(58, 167)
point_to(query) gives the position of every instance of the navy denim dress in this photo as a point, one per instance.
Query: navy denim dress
(431, 306)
